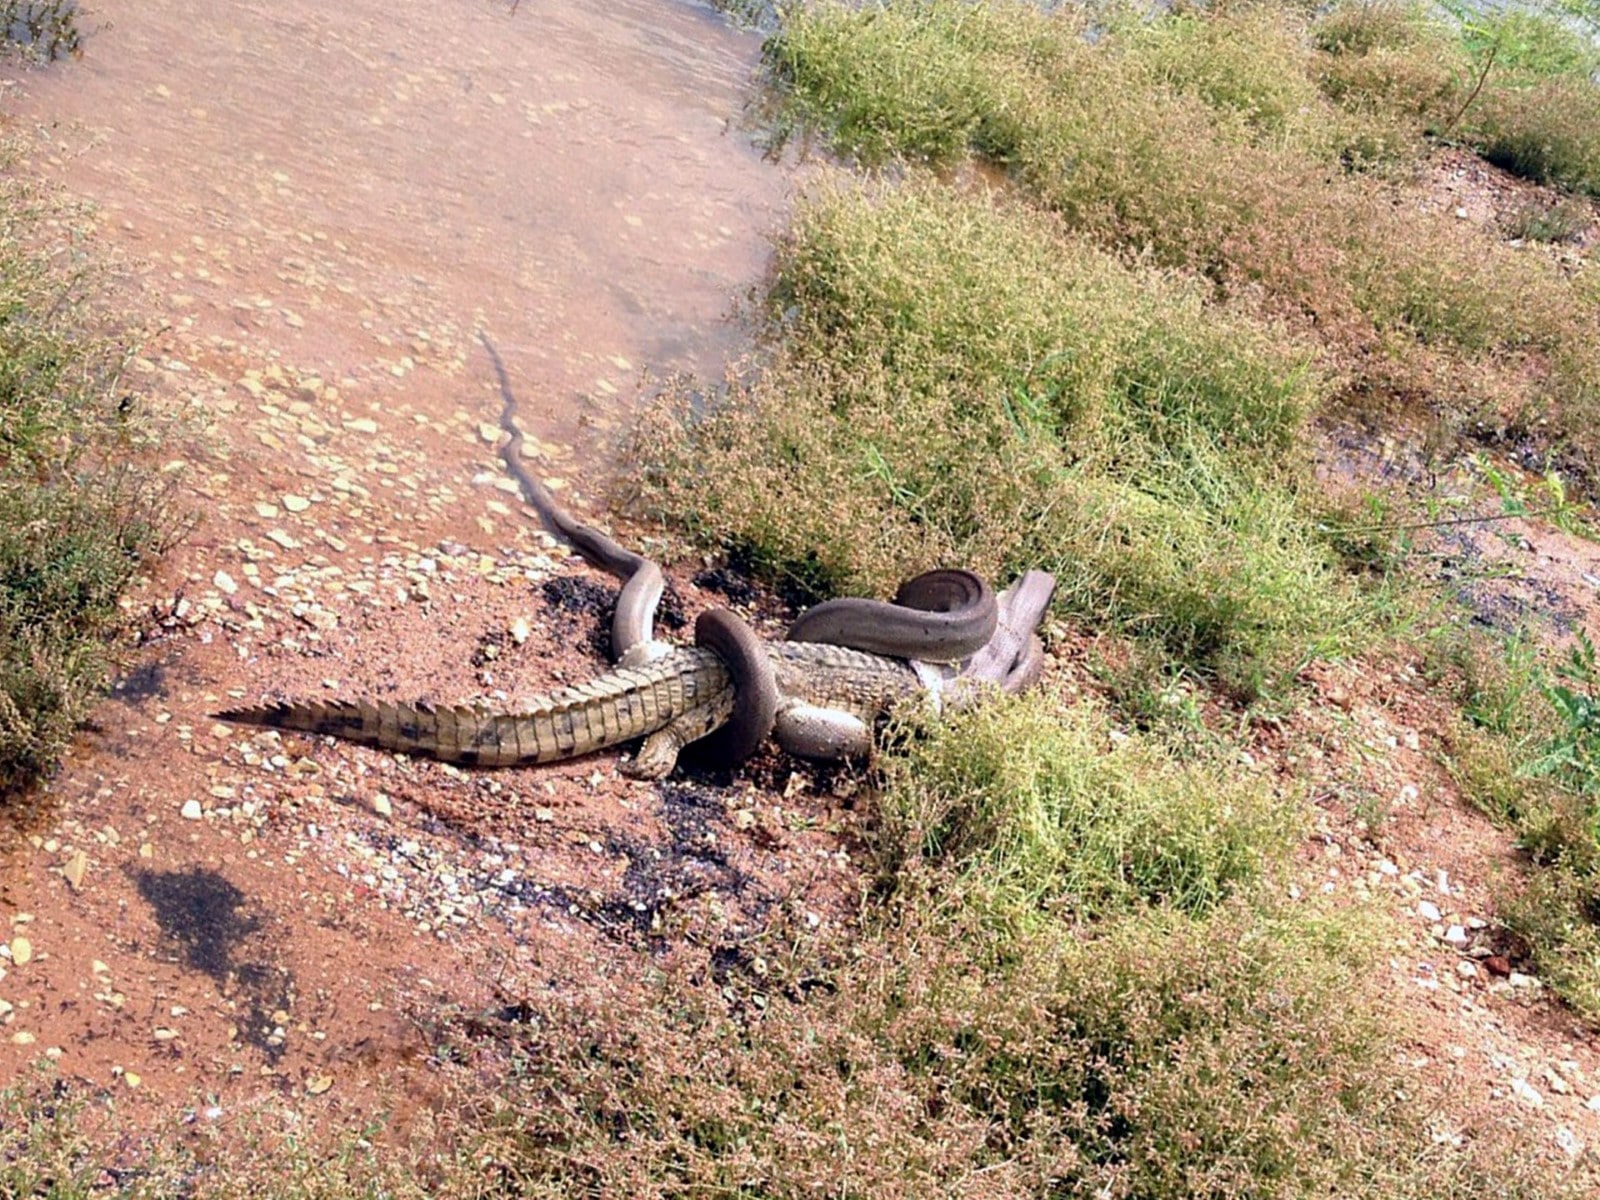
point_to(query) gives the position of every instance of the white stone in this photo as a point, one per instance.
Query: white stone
(191, 810)
(1428, 910)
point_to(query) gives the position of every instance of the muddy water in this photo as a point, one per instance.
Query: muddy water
(362, 184)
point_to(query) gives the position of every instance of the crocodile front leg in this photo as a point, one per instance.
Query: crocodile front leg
(659, 755)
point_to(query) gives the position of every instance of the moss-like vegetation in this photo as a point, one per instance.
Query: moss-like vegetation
(78, 517)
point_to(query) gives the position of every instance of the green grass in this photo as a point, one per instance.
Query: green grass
(1236, 146)
(1528, 755)
(960, 380)
(78, 517)
(988, 1032)
(1057, 816)
(1518, 86)
(1548, 131)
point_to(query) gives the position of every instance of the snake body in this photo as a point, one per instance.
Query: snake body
(938, 616)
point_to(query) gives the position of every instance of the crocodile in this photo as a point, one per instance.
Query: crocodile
(831, 697)
(847, 663)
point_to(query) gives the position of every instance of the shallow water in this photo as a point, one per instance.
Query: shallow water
(335, 183)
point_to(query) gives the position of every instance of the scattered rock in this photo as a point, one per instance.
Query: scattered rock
(191, 810)
(75, 868)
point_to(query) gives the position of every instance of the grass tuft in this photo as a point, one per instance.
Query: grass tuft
(1056, 813)
(1548, 131)
(78, 518)
(957, 380)
(1528, 755)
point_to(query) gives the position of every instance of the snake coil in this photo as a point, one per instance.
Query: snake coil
(939, 616)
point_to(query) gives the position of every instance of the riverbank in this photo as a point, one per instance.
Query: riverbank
(1218, 910)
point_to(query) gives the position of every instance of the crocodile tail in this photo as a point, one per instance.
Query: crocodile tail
(618, 707)
(456, 734)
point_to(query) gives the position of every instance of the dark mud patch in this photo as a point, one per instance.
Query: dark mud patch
(1533, 449)
(1495, 590)
(661, 875)
(572, 596)
(144, 682)
(209, 920)
(735, 587)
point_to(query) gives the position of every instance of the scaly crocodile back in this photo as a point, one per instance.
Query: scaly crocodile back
(617, 707)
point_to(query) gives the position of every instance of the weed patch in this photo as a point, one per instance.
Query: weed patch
(1056, 814)
(1548, 131)
(1222, 144)
(1528, 755)
(78, 518)
(957, 380)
